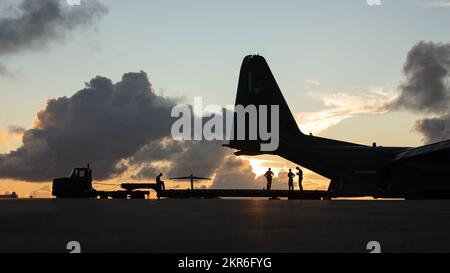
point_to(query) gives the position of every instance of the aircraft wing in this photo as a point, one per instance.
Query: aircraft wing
(434, 157)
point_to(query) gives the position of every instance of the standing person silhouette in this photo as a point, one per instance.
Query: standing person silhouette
(300, 178)
(160, 183)
(291, 176)
(269, 176)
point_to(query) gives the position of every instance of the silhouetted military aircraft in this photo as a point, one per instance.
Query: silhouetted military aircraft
(191, 178)
(354, 169)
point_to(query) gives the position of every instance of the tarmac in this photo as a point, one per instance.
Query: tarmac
(223, 226)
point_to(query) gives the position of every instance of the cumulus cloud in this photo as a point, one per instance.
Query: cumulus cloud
(121, 129)
(101, 124)
(237, 173)
(179, 158)
(204, 156)
(426, 88)
(36, 23)
(434, 129)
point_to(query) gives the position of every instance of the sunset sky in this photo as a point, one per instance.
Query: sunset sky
(338, 63)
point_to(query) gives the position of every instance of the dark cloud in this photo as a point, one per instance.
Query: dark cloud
(114, 127)
(426, 89)
(101, 124)
(236, 173)
(201, 158)
(158, 150)
(434, 129)
(36, 23)
(179, 158)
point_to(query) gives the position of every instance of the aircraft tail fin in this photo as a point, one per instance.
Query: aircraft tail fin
(257, 86)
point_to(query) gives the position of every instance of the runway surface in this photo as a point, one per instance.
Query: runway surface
(218, 226)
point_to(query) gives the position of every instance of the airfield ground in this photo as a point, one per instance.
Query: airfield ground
(223, 225)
